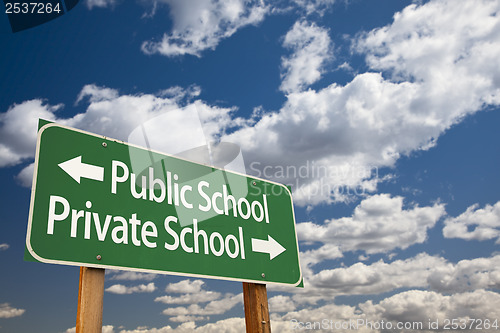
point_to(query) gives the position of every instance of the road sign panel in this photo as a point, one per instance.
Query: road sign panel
(100, 202)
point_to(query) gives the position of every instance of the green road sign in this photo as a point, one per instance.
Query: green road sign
(100, 202)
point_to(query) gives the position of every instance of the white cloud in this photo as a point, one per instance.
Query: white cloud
(315, 6)
(96, 94)
(410, 307)
(479, 273)
(216, 307)
(187, 318)
(438, 42)
(7, 311)
(442, 64)
(379, 224)
(325, 252)
(18, 128)
(475, 224)
(422, 306)
(108, 329)
(281, 303)
(4, 246)
(340, 135)
(185, 287)
(122, 290)
(100, 3)
(112, 115)
(105, 329)
(192, 293)
(413, 307)
(298, 320)
(379, 277)
(311, 50)
(178, 93)
(229, 325)
(422, 271)
(130, 276)
(200, 25)
(19, 124)
(198, 297)
(310, 258)
(25, 177)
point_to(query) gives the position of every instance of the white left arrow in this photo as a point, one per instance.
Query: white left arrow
(267, 246)
(76, 169)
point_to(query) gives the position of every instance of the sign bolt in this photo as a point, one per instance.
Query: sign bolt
(104, 144)
(98, 257)
(263, 275)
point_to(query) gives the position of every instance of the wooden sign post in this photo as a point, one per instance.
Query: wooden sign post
(256, 308)
(90, 296)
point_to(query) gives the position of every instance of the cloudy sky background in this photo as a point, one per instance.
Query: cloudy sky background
(381, 115)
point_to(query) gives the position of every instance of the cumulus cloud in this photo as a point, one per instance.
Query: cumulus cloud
(412, 307)
(100, 3)
(311, 50)
(315, 6)
(192, 293)
(197, 312)
(378, 277)
(422, 271)
(185, 286)
(324, 252)
(421, 306)
(201, 25)
(7, 311)
(441, 35)
(199, 297)
(466, 275)
(179, 93)
(434, 65)
(122, 290)
(18, 130)
(475, 224)
(229, 325)
(379, 224)
(309, 258)
(130, 276)
(328, 144)
(281, 303)
(105, 329)
(96, 94)
(289, 322)
(116, 116)
(25, 177)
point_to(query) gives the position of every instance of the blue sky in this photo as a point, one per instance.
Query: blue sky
(394, 103)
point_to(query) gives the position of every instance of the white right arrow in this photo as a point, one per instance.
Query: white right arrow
(267, 246)
(76, 169)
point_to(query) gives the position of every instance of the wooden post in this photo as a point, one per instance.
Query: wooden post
(90, 295)
(256, 308)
